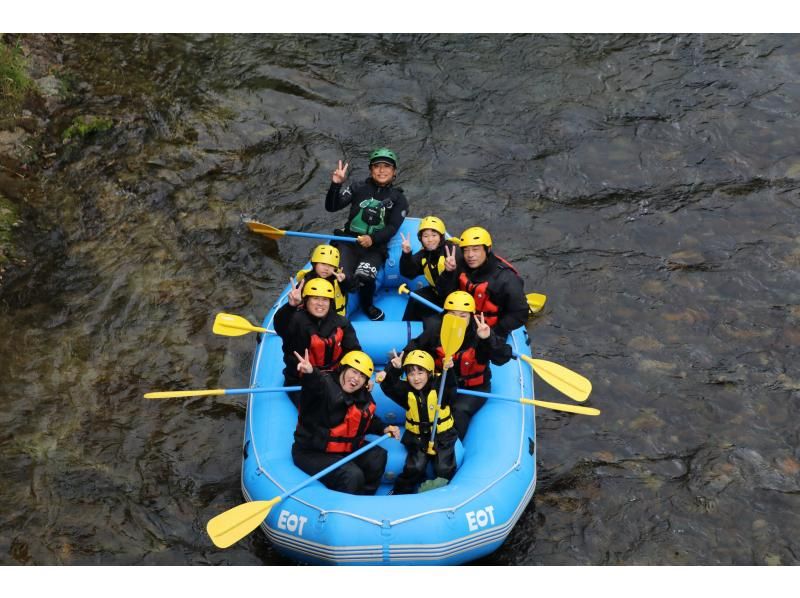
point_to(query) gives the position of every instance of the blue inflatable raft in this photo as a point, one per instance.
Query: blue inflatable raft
(462, 521)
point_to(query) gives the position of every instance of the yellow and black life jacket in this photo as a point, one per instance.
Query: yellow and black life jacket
(418, 421)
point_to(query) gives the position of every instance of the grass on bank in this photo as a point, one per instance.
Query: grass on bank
(14, 78)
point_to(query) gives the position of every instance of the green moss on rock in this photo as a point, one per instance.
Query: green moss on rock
(83, 126)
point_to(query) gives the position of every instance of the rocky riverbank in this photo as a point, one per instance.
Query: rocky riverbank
(35, 130)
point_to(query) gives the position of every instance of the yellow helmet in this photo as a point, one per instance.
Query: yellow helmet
(358, 360)
(421, 358)
(475, 235)
(318, 287)
(460, 301)
(431, 222)
(325, 254)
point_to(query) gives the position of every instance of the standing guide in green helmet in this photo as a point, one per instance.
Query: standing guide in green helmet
(377, 210)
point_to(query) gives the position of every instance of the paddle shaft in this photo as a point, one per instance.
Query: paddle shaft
(438, 405)
(339, 463)
(425, 302)
(174, 394)
(545, 404)
(290, 233)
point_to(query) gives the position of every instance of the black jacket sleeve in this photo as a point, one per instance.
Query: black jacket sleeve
(337, 198)
(447, 282)
(312, 391)
(283, 320)
(395, 388)
(515, 311)
(349, 339)
(500, 352)
(411, 264)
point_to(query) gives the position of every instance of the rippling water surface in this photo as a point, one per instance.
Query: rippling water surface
(648, 185)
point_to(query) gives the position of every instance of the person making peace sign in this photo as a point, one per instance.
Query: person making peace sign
(377, 210)
(429, 261)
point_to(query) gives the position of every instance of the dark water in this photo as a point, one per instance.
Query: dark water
(648, 185)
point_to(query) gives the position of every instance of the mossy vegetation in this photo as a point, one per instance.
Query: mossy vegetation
(14, 78)
(83, 126)
(8, 220)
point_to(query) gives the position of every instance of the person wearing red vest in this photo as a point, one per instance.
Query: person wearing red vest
(335, 412)
(471, 363)
(307, 322)
(428, 261)
(418, 394)
(493, 283)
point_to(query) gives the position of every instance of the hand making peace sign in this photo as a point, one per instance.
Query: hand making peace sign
(406, 245)
(340, 174)
(303, 363)
(483, 331)
(449, 258)
(397, 360)
(295, 296)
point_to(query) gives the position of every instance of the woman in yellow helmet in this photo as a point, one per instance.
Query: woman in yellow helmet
(428, 261)
(471, 363)
(335, 412)
(325, 264)
(307, 322)
(418, 394)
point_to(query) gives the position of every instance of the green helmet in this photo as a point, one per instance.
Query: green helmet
(383, 154)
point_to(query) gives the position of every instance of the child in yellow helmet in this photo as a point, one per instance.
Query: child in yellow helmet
(325, 264)
(418, 394)
(428, 261)
(336, 411)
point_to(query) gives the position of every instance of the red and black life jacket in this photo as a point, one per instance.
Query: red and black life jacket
(325, 353)
(349, 435)
(468, 370)
(480, 292)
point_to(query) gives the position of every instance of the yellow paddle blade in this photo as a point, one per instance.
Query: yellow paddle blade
(452, 333)
(562, 407)
(536, 302)
(265, 229)
(231, 325)
(174, 394)
(234, 524)
(570, 383)
(403, 288)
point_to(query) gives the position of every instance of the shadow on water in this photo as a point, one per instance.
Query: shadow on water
(647, 184)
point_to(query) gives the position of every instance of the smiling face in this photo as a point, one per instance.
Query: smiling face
(382, 173)
(351, 380)
(430, 239)
(474, 255)
(417, 377)
(324, 270)
(318, 306)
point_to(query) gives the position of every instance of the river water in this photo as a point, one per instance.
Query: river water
(647, 184)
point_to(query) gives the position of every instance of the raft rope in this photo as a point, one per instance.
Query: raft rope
(323, 512)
